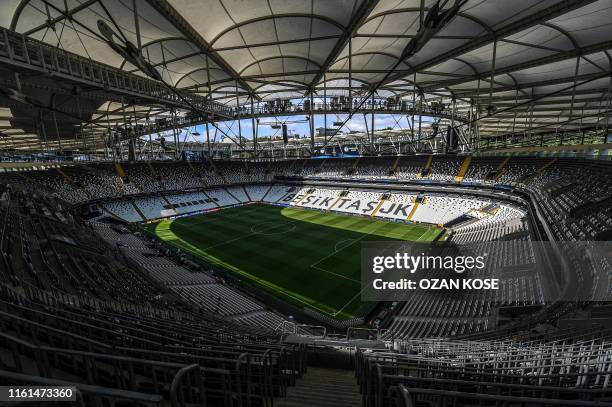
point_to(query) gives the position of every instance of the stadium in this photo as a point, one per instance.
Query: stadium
(292, 203)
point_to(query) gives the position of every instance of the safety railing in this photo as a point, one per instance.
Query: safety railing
(25, 52)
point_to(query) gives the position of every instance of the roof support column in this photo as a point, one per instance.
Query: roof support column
(211, 116)
(581, 122)
(120, 150)
(208, 140)
(44, 132)
(515, 114)
(413, 103)
(607, 118)
(174, 135)
(57, 132)
(571, 115)
(453, 130)
(240, 141)
(326, 105)
(134, 135)
(253, 127)
(372, 125)
(311, 118)
(350, 84)
(476, 140)
(492, 77)
(420, 114)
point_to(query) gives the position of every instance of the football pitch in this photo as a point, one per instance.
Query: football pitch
(305, 257)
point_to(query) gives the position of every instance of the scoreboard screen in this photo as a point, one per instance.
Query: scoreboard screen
(336, 151)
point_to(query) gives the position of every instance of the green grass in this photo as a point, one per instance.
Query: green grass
(306, 257)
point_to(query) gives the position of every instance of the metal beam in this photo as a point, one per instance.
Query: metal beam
(170, 14)
(357, 19)
(19, 53)
(555, 10)
(546, 60)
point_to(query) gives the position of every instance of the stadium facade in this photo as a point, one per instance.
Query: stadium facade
(306, 203)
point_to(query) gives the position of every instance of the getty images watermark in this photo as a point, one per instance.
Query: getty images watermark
(505, 273)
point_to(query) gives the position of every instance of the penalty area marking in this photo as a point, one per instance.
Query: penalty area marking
(335, 314)
(339, 246)
(343, 245)
(335, 274)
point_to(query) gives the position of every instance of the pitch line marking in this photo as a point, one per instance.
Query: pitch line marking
(247, 235)
(348, 303)
(348, 245)
(254, 230)
(352, 299)
(335, 274)
(340, 244)
(200, 218)
(315, 264)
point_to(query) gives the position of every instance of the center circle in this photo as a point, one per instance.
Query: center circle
(272, 228)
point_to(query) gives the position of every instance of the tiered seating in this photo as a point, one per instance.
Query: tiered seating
(572, 193)
(321, 198)
(193, 202)
(152, 206)
(333, 167)
(140, 358)
(239, 193)
(54, 181)
(486, 231)
(275, 193)
(374, 168)
(357, 203)
(243, 172)
(517, 169)
(58, 255)
(396, 207)
(123, 209)
(176, 176)
(222, 197)
(482, 169)
(142, 178)
(574, 370)
(257, 192)
(217, 298)
(197, 287)
(410, 167)
(443, 209)
(444, 169)
(569, 195)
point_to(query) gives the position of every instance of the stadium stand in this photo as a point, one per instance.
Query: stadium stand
(190, 192)
(147, 273)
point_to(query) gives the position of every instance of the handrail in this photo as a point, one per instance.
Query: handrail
(268, 393)
(379, 401)
(514, 386)
(404, 399)
(239, 376)
(179, 401)
(534, 401)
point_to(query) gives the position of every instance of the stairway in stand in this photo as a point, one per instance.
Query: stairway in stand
(325, 388)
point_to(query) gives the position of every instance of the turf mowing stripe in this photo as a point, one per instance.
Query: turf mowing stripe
(280, 263)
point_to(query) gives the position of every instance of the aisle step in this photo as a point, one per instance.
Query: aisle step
(323, 388)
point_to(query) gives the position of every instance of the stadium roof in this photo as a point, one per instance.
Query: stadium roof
(536, 62)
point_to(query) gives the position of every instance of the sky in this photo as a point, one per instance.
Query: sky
(298, 125)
